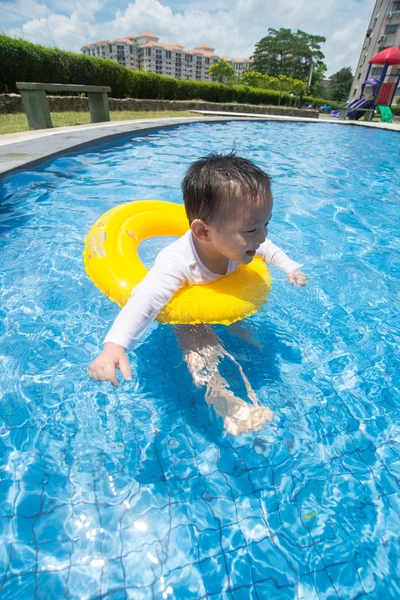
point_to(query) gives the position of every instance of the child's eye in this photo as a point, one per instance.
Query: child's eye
(254, 230)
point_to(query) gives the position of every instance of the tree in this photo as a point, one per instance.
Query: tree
(281, 83)
(253, 79)
(287, 53)
(341, 84)
(222, 71)
(316, 88)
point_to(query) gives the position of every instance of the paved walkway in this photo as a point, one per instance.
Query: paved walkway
(322, 119)
(31, 148)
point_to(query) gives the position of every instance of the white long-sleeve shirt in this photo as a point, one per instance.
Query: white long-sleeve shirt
(176, 266)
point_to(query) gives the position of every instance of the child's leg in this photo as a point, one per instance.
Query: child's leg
(242, 330)
(202, 351)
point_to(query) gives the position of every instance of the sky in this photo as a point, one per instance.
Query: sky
(232, 27)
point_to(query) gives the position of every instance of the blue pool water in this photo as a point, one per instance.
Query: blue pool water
(139, 492)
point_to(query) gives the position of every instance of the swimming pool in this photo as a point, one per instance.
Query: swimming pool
(138, 492)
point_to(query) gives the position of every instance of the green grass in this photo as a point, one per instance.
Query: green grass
(17, 122)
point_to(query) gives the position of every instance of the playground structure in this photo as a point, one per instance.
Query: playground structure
(375, 92)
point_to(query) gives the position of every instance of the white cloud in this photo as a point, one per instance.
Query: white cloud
(231, 26)
(28, 7)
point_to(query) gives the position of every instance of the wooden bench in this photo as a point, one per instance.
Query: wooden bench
(36, 104)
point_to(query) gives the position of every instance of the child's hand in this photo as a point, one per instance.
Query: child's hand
(297, 277)
(103, 368)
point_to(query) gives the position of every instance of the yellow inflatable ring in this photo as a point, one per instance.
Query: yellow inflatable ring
(112, 263)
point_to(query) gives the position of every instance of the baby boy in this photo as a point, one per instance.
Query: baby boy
(228, 203)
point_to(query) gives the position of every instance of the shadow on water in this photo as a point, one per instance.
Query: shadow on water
(12, 215)
(257, 361)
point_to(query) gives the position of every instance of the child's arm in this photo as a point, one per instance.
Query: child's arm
(148, 298)
(277, 257)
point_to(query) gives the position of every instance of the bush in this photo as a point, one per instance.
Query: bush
(396, 110)
(24, 61)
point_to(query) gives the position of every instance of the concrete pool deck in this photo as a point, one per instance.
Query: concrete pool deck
(31, 148)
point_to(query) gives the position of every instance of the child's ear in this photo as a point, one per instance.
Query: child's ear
(200, 230)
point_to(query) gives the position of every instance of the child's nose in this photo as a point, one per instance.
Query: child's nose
(261, 236)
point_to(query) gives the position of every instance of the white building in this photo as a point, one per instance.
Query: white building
(146, 53)
(383, 32)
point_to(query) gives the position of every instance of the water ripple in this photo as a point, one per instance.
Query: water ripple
(139, 493)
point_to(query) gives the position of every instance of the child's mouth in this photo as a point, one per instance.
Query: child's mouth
(251, 253)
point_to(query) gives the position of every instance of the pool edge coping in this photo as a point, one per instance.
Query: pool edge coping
(27, 150)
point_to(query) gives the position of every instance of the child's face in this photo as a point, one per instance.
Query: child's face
(241, 230)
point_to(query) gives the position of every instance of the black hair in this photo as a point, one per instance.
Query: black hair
(215, 180)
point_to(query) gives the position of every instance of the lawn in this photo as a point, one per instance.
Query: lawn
(14, 123)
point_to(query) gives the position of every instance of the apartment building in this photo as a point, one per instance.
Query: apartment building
(383, 32)
(146, 53)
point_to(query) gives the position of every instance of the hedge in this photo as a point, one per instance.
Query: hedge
(24, 61)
